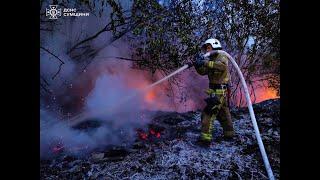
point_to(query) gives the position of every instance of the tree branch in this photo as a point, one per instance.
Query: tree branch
(104, 29)
(44, 80)
(45, 49)
(45, 89)
(57, 71)
(89, 38)
(61, 62)
(122, 58)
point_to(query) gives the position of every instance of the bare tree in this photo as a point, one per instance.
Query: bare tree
(165, 36)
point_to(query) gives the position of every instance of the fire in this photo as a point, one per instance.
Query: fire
(150, 96)
(142, 135)
(147, 135)
(265, 94)
(158, 135)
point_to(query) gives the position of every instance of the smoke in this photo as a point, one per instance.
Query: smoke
(116, 125)
(114, 99)
(103, 87)
(55, 133)
(109, 86)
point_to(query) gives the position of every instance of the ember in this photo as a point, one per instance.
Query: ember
(152, 131)
(147, 135)
(142, 135)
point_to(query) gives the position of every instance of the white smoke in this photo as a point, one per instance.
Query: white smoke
(102, 87)
(117, 127)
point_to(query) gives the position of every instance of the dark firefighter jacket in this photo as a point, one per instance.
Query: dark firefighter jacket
(216, 69)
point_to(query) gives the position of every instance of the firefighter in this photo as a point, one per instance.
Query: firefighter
(216, 68)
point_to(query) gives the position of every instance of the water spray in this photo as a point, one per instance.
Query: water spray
(109, 110)
(249, 104)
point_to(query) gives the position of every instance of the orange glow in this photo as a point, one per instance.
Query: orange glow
(150, 96)
(265, 94)
(269, 93)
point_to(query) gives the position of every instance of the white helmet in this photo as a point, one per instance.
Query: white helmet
(213, 42)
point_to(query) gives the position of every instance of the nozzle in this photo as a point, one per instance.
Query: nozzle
(190, 64)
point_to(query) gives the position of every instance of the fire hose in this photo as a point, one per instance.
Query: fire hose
(249, 104)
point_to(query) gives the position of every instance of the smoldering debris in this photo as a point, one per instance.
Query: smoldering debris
(175, 155)
(96, 130)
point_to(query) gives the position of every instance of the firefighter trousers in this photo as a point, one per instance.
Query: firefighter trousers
(217, 108)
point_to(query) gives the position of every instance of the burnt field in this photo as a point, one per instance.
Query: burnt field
(167, 149)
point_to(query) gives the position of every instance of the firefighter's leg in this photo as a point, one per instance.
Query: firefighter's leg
(209, 114)
(225, 120)
(206, 126)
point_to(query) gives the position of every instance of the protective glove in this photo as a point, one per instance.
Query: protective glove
(200, 60)
(190, 64)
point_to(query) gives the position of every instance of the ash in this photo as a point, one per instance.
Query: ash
(175, 154)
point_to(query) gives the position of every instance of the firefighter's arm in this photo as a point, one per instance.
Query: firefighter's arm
(202, 70)
(219, 64)
(199, 65)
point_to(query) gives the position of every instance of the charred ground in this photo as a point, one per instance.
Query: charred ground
(169, 150)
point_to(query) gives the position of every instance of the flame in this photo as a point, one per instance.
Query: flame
(150, 96)
(265, 94)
